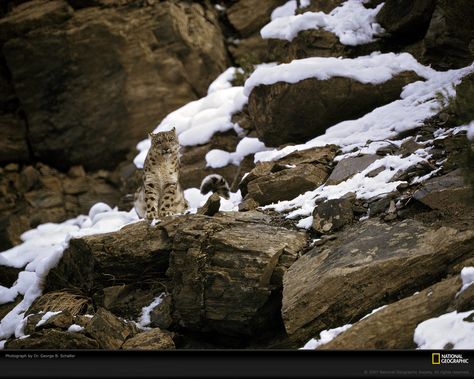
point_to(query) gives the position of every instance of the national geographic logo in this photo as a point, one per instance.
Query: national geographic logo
(438, 359)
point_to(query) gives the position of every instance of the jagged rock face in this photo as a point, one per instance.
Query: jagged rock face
(33, 195)
(393, 327)
(370, 265)
(226, 271)
(284, 113)
(89, 108)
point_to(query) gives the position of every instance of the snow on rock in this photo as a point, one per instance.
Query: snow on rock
(351, 22)
(224, 80)
(196, 200)
(41, 250)
(2, 344)
(197, 121)
(449, 328)
(46, 317)
(75, 328)
(470, 131)
(219, 158)
(288, 9)
(324, 337)
(328, 335)
(418, 102)
(361, 185)
(144, 319)
(375, 68)
(467, 276)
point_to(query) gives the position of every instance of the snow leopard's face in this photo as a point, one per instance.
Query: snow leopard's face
(165, 143)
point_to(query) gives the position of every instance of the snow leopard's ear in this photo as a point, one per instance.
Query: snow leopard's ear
(173, 130)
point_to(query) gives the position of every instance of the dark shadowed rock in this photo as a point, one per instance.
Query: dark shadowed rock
(53, 339)
(109, 331)
(447, 191)
(226, 271)
(92, 108)
(348, 167)
(154, 339)
(393, 326)
(8, 275)
(449, 40)
(406, 18)
(370, 265)
(284, 113)
(211, 207)
(132, 254)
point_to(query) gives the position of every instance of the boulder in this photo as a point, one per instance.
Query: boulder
(332, 215)
(348, 167)
(128, 300)
(405, 18)
(393, 326)
(226, 271)
(153, 339)
(286, 178)
(248, 16)
(8, 275)
(93, 108)
(284, 113)
(447, 191)
(53, 339)
(131, 255)
(449, 40)
(109, 331)
(367, 266)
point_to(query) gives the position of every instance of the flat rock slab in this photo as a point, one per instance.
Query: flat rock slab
(369, 265)
(393, 326)
(227, 269)
(153, 339)
(53, 339)
(348, 167)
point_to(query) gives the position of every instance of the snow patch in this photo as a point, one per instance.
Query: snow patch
(449, 328)
(288, 9)
(351, 22)
(324, 337)
(467, 276)
(46, 317)
(144, 319)
(75, 328)
(219, 158)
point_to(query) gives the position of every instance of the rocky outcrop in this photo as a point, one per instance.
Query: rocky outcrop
(393, 326)
(224, 279)
(135, 253)
(348, 167)
(33, 195)
(283, 113)
(286, 178)
(368, 266)
(53, 339)
(154, 339)
(89, 108)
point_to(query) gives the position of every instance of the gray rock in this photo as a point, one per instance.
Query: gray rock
(348, 167)
(369, 265)
(447, 191)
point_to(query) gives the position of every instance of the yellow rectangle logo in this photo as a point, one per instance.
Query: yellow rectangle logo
(435, 359)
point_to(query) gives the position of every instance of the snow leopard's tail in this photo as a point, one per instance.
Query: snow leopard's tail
(217, 184)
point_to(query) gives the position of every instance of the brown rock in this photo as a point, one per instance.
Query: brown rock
(332, 215)
(369, 265)
(393, 326)
(211, 207)
(53, 339)
(8, 275)
(154, 339)
(109, 331)
(93, 108)
(249, 17)
(284, 113)
(285, 179)
(132, 254)
(62, 320)
(225, 269)
(447, 191)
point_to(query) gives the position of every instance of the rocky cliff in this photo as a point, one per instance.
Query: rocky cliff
(345, 129)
